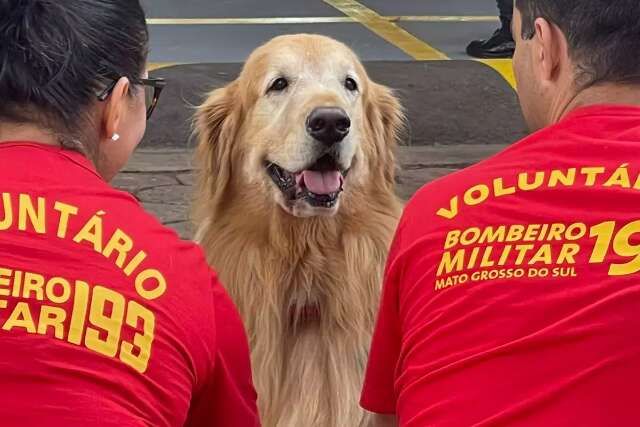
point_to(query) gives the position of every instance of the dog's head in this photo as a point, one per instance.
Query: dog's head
(302, 127)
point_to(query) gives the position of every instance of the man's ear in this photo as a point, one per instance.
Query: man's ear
(549, 50)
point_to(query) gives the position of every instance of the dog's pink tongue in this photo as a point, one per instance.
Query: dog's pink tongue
(325, 182)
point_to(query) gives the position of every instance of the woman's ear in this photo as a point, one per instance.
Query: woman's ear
(385, 121)
(216, 125)
(115, 108)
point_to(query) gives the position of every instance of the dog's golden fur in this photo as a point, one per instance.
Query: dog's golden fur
(308, 372)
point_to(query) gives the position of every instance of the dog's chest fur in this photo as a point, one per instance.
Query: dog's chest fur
(309, 306)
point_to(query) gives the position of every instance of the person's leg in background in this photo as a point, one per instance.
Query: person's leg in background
(501, 44)
(506, 14)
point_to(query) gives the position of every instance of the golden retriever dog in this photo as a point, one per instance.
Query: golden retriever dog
(296, 208)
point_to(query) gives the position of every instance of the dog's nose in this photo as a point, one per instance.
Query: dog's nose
(329, 125)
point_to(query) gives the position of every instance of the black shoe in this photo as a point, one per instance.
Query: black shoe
(500, 45)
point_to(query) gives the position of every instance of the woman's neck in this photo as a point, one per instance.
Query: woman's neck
(26, 132)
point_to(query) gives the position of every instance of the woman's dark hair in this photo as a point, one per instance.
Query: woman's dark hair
(603, 35)
(55, 55)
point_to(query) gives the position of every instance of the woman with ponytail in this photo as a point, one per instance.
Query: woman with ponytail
(106, 317)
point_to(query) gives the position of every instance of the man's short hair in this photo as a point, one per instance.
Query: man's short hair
(603, 35)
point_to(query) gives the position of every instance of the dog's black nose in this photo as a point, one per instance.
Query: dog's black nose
(328, 125)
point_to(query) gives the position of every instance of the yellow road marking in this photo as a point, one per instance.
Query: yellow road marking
(389, 31)
(312, 20)
(436, 18)
(504, 67)
(383, 26)
(250, 21)
(152, 66)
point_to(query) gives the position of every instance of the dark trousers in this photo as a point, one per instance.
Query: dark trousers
(506, 13)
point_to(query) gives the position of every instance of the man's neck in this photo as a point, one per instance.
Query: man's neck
(605, 94)
(17, 132)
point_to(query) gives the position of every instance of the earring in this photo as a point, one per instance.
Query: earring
(115, 137)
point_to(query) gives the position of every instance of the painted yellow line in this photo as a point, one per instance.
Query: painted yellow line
(312, 20)
(504, 67)
(153, 66)
(389, 31)
(384, 26)
(442, 18)
(250, 21)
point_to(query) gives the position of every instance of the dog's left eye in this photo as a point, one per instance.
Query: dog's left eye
(351, 84)
(279, 85)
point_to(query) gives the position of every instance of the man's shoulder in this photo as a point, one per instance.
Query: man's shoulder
(519, 155)
(443, 199)
(432, 196)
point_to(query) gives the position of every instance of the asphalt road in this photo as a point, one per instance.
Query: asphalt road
(450, 99)
(232, 42)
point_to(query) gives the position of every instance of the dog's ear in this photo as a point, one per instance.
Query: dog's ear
(216, 124)
(385, 122)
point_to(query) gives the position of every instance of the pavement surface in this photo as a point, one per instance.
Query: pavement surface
(459, 110)
(162, 179)
(236, 27)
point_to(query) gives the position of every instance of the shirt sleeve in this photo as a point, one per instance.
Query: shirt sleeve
(229, 397)
(378, 393)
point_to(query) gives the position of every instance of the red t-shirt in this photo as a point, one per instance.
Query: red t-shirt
(106, 317)
(512, 291)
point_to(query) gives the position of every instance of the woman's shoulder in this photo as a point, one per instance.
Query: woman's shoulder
(129, 214)
(62, 197)
(130, 235)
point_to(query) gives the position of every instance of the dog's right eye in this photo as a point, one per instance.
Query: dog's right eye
(279, 85)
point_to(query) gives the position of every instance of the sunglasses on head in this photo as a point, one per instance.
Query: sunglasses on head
(152, 90)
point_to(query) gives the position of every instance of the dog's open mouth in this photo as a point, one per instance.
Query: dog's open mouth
(319, 185)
